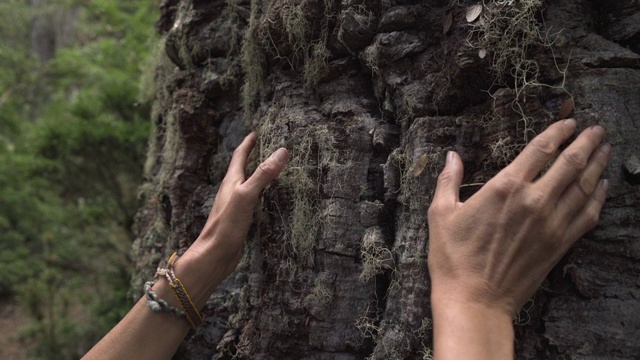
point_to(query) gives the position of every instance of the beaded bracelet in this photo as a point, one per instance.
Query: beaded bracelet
(156, 304)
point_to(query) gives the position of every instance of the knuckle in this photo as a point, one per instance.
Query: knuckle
(602, 160)
(575, 159)
(592, 217)
(506, 185)
(236, 152)
(434, 210)
(585, 186)
(445, 177)
(535, 202)
(242, 194)
(543, 147)
(266, 169)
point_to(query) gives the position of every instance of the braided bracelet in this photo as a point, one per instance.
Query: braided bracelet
(156, 304)
(192, 314)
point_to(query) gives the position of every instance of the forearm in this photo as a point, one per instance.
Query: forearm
(144, 334)
(470, 331)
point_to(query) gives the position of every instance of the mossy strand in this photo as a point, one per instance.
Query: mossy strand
(508, 30)
(306, 39)
(310, 151)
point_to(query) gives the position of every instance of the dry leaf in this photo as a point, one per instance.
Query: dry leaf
(420, 164)
(566, 109)
(473, 12)
(448, 21)
(482, 53)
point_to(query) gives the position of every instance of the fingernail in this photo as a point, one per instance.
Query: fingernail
(605, 148)
(281, 155)
(450, 157)
(598, 129)
(571, 123)
(605, 185)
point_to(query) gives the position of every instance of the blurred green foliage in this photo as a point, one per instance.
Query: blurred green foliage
(73, 133)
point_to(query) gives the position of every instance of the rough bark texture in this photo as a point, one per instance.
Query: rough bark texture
(368, 96)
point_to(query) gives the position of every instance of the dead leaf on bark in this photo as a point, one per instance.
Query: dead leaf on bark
(420, 164)
(473, 12)
(448, 21)
(566, 109)
(482, 53)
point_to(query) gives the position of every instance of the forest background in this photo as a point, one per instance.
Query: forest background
(73, 131)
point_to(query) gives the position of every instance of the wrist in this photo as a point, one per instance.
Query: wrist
(466, 329)
(202, 268)
(221, 240)
(472, 291)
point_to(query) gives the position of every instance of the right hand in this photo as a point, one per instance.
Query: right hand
(496, 248)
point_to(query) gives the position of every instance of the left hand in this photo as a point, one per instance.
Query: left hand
(232, 212)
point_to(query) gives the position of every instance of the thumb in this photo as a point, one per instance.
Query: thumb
(267, 171)
(448, 188)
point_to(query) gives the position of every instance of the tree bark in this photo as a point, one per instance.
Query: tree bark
(369, 96)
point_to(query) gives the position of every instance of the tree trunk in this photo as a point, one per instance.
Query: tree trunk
(369, 96)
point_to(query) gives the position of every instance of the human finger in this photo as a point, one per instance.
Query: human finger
(571, 162)
(589, 216)
(448, 188)
(578, 193)
(267, 171)
(240, 155)
(539, 151)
